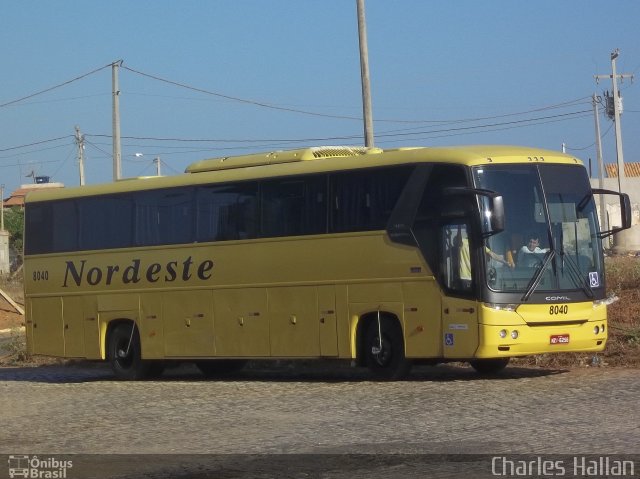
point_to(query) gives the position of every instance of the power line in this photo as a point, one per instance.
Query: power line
(238, 99)
(431, 136)
(253, 144)
(35, 143)
(93, 145)
(24, 164)
(403, 133)
(34, 151)
(592, 144)
(72, 98)
(274, 141)
(46, 90)
(463, 128)
(495, 117)
(69, 155)
(307, 112)
(393, 133)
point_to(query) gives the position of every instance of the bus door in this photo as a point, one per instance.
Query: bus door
(47, 327)
(459, 308)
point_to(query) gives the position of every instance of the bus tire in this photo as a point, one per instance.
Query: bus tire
(388, 363)
(220, 367)
(489, 366)
(126, 359)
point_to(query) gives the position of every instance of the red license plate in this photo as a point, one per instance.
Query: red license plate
(559, 339)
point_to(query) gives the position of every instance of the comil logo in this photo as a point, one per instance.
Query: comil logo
(38, 468)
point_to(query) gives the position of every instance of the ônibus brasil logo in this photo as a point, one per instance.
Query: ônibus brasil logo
(37, 467)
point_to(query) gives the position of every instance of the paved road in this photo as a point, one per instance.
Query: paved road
(309, 411)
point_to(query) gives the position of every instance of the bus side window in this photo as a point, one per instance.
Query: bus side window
(38, 228)
(364, 199)
(294, 206)
(164, 216)
(106, 222)
(227, 212)
(64, 222)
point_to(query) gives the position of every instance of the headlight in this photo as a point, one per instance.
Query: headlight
(503, 333)
(514, 334)
(596, 330)
(502, 307)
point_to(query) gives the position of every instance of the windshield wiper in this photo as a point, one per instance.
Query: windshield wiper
(537, 277)
(574, 274)
(574, 269)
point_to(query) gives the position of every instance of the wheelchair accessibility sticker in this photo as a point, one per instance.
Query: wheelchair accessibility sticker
(594, 280)
(448, 339)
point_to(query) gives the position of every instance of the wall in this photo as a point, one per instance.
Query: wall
(629, 240)
(4, 252)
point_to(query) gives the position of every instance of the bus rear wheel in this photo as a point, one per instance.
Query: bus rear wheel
(384, 350)
(489, 366)
(125, 355)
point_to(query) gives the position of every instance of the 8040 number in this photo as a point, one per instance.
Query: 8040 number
(558, 309)
(41, 275)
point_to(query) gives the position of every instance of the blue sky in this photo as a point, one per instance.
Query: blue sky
(433, 63)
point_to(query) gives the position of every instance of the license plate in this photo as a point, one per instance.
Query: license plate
(559, 339)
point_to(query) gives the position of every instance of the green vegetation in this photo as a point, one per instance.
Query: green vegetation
(14, 224)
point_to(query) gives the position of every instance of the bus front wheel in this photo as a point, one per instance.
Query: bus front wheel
(384, 350)
(489, 366)
(125, 354)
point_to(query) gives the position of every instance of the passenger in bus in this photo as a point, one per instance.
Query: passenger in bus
(464, 259)
(530, 254)
(494, 259)
(508, 261)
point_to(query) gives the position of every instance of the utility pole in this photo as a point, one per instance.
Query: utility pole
(616, 115)
(117, 152)
(364, 75)
(157, 162)
(5, 266)
(603, 206)
(80, 143)
(1, 207)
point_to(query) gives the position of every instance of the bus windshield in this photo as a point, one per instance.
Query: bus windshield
(550, 242)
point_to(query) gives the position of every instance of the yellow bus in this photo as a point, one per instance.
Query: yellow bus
(382, 257)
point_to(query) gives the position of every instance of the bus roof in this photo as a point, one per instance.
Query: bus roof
(301, 161)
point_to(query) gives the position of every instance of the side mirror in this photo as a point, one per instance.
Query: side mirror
(491, 208)
(496, 213)
(625, 211)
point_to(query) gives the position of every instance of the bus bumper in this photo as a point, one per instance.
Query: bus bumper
(499, 341)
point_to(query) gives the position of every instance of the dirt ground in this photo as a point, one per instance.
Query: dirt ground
(9, 317)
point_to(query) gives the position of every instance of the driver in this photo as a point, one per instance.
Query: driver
(532, 247)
